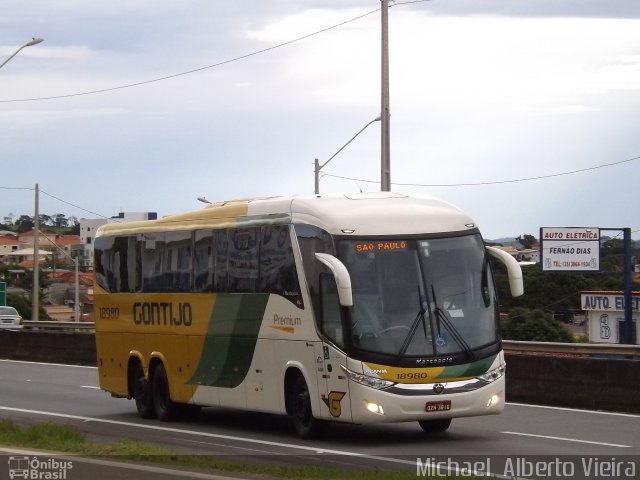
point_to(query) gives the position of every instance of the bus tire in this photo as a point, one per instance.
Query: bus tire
(307, 426)
(435, 426)
(141, 392)
(164, 407)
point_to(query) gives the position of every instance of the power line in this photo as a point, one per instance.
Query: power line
(74, 205)
(496, 182)
(16, 188)
(56, 198)
(195, 70)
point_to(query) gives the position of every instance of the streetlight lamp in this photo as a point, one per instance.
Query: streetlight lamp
(33, 41)
(318, 167)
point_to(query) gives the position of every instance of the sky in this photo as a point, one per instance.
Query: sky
(525, 114)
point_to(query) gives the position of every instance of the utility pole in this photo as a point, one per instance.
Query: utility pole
(35, 306)
(627, 326)
(385, 114)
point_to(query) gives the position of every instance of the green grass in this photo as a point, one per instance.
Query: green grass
(66, 439)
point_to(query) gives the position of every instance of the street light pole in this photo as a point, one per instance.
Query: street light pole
(318, 167)
(33, 41)
(385, 137)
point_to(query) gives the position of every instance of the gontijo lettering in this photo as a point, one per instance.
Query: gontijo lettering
(162, 313)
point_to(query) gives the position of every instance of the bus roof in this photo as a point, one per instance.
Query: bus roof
(380, 213)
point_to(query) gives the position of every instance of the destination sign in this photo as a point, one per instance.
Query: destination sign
(381, 246)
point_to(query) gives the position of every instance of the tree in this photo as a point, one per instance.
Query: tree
(533, 326)
(24, 306)
(551, 291)
(45, 220)
(526, 240)
(24, 223)
(60, 220)
(74, 224)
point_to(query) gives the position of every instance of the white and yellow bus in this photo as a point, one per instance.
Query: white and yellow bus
(357, 308)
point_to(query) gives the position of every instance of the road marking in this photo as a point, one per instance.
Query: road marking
(566, 409)
(269, 452)
(90, 386)
(43, 363)
(213, 435)
(568, 439)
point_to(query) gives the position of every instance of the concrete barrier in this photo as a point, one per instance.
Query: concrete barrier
(575, 382)
(609, 384)
(73, 348)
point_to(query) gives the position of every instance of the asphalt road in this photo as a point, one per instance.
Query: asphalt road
(33, 393)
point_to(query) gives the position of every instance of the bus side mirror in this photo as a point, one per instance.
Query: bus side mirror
(514, 272)
(342, 277)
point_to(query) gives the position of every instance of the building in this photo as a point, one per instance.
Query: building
(524, 256)
(605, 315)
(9, 244)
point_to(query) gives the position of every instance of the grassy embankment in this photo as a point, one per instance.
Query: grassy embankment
(65, 439)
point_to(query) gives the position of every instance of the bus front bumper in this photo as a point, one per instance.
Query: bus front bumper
(405, 403)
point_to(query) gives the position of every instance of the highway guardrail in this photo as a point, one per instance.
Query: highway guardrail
(57, 325)
(586, 349)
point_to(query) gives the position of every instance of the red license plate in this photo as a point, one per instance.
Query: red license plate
(442, 406)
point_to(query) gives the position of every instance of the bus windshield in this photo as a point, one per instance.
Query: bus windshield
(420, 297)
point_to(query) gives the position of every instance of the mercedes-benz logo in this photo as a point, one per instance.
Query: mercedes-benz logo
(438, 388)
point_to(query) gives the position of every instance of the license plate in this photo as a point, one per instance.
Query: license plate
(442, 406)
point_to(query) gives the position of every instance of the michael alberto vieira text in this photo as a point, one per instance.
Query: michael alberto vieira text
(521, 467)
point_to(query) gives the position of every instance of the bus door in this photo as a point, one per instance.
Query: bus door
(333, 383)
(332, 380)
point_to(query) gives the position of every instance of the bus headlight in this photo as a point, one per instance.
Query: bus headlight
(374, 407)
(494, 400)
(494, 374)
(367, 380)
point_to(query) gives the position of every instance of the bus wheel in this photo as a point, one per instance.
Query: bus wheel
(142, 393)
(305, 424)
(165, 408)
(435, 426)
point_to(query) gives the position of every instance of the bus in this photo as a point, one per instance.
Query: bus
(358, 308)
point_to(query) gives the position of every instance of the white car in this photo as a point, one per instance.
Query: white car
(10, 318)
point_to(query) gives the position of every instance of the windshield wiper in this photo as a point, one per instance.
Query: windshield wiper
(414, 326)
(442, 315)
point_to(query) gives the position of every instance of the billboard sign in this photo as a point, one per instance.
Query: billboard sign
(570, 249)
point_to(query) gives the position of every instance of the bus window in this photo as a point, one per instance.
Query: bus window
(331, 320)
(203, 261)
(177, 262)
(312, 240)
(121, 265)
(277, 266)
(243, 260)
(102, 261)
(134, 264)
(220, 276)
(152, 252)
